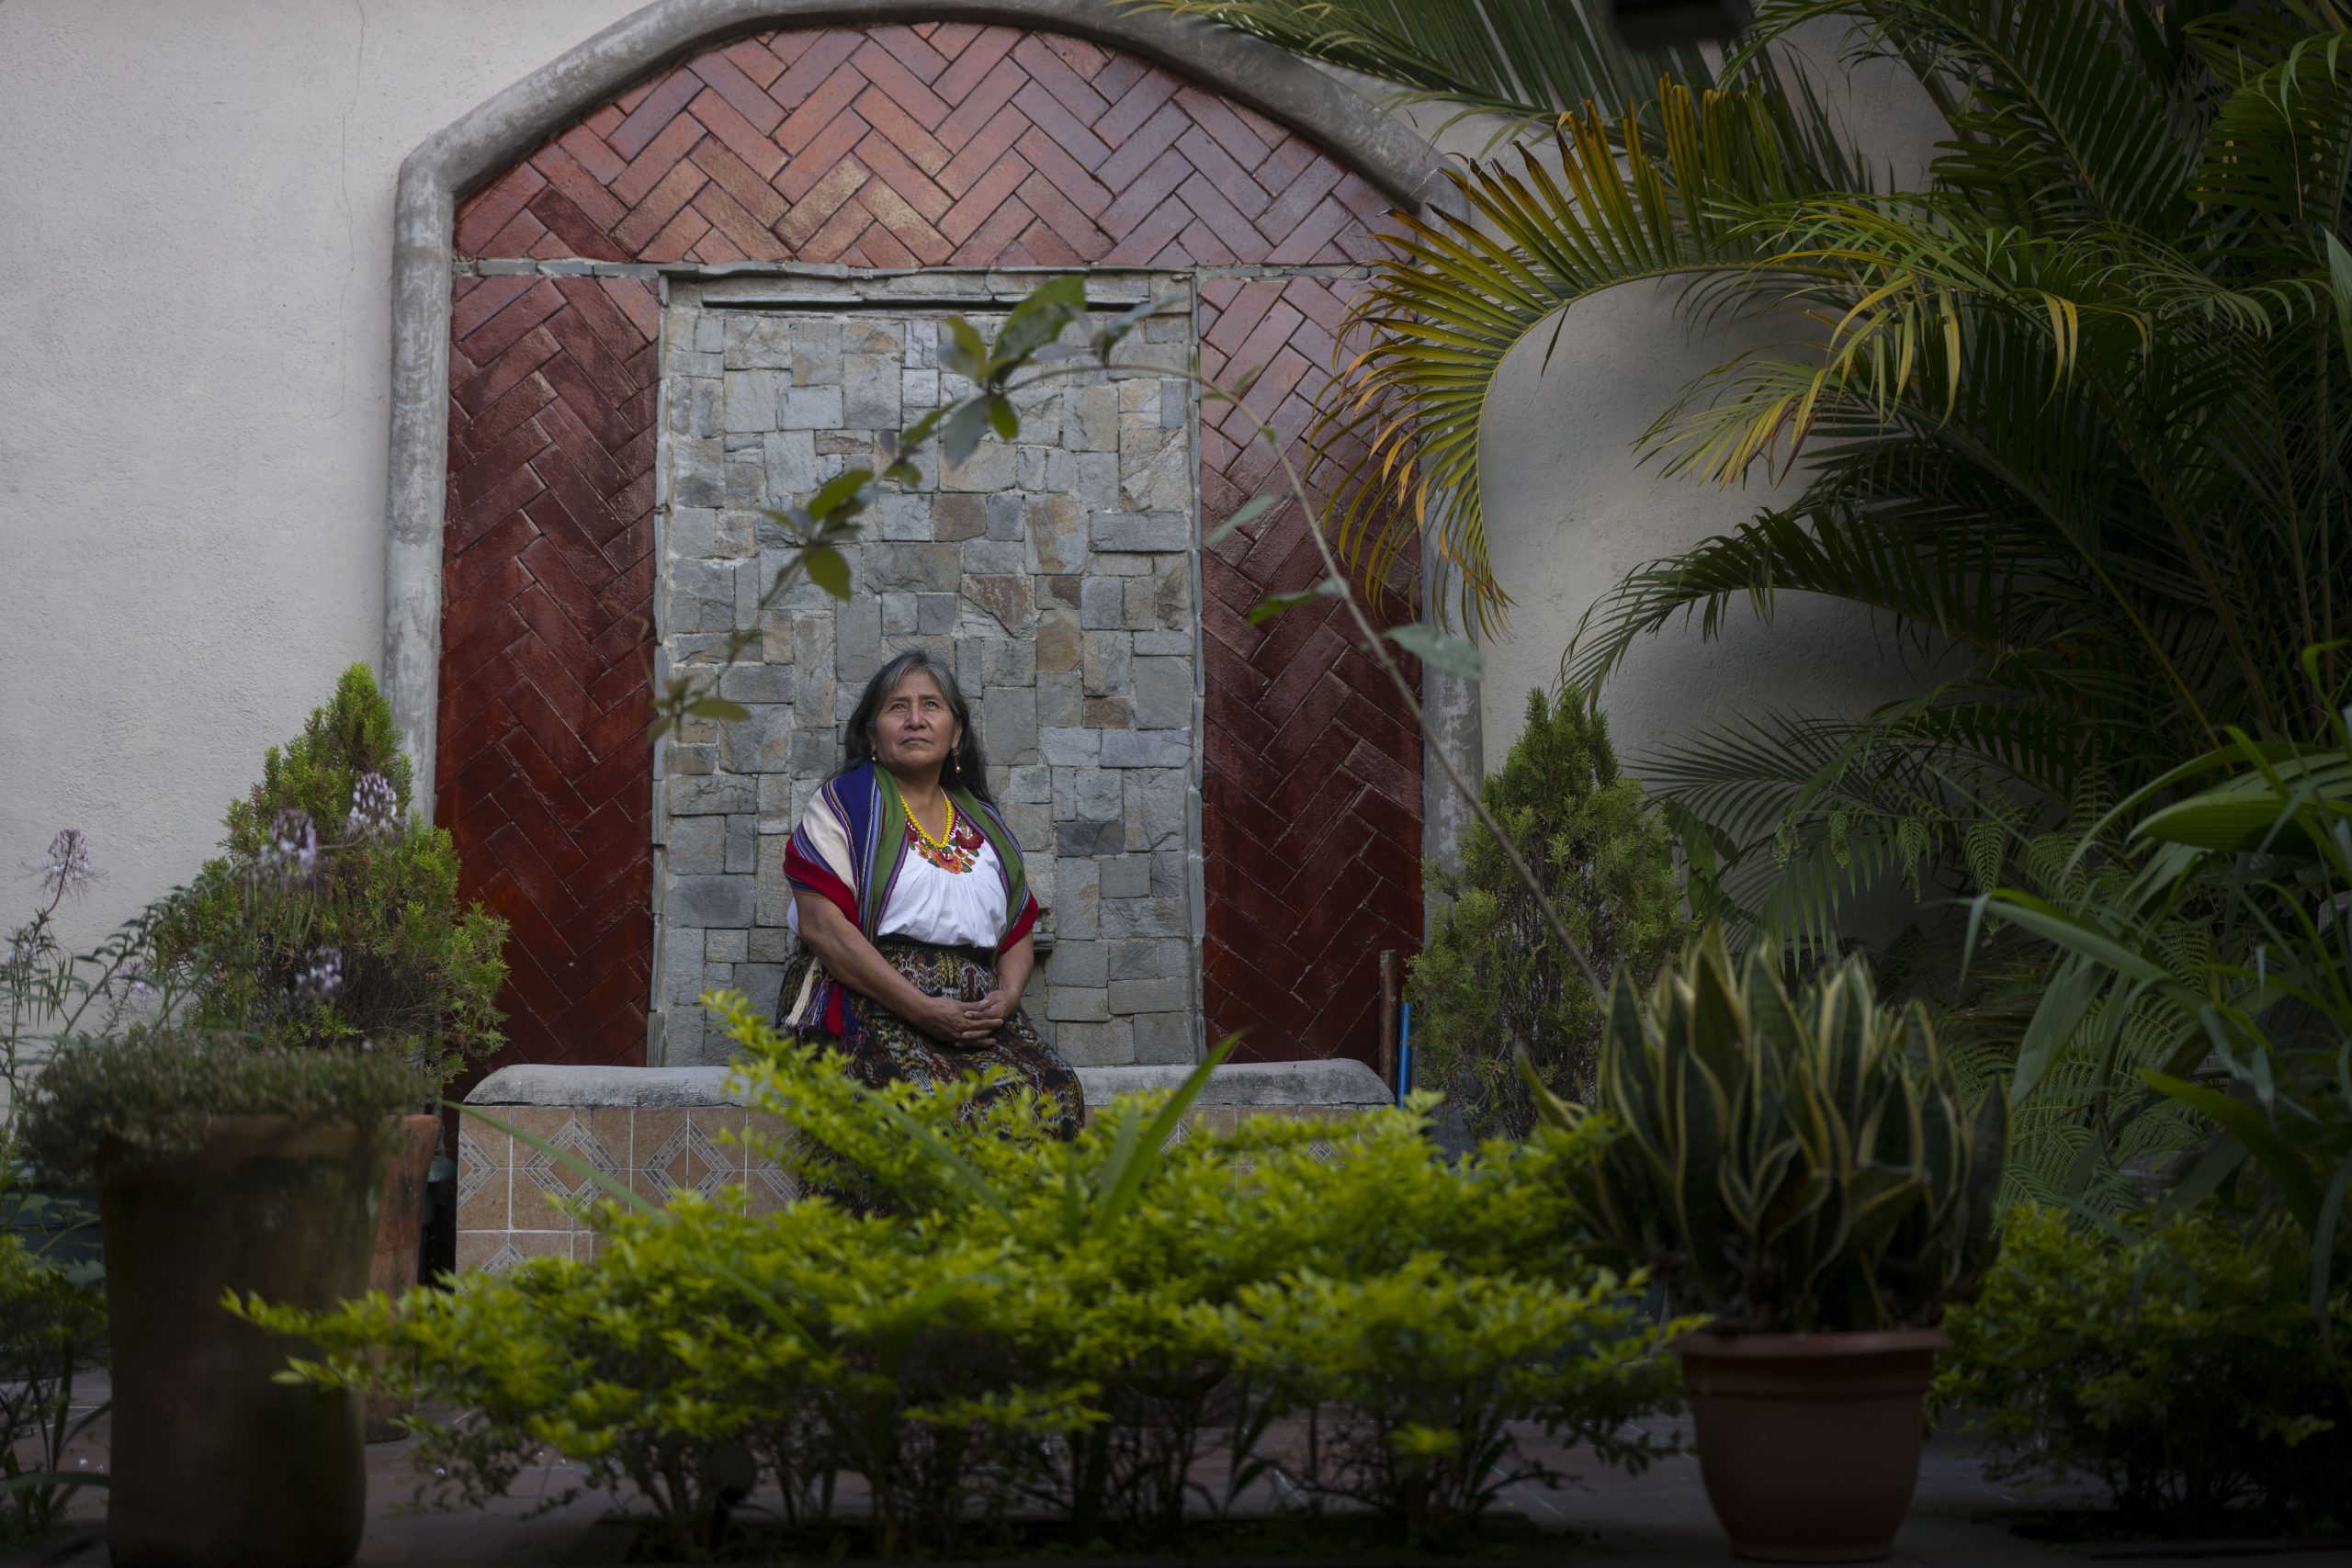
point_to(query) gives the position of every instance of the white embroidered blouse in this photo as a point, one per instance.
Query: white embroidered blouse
(953, 897)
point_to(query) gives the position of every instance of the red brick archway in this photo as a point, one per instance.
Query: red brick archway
(937, 144)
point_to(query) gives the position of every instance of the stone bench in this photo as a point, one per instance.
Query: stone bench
(659, 1130)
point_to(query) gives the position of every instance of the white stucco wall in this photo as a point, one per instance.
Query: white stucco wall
(1570, 508)
(195, 249)
(194, 246)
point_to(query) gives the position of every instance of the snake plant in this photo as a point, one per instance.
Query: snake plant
(1786, 1163)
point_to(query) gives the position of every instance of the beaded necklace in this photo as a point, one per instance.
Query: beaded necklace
(939, 844)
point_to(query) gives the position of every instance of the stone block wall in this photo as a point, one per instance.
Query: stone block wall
(1054, 574)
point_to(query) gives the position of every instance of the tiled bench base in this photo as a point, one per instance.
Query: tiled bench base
(660, 1129)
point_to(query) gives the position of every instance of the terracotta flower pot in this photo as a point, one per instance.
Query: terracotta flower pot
(214, 1464)
(398, 1230)
(1809, 1443)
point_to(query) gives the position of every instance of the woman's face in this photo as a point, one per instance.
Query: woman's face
(914, 732)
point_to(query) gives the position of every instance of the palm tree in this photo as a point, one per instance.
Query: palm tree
(2076, 410)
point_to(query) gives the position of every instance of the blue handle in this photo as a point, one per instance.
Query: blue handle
(1404, 1052)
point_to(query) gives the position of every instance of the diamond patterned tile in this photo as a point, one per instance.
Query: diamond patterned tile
(689, 1158)
(557, 1180)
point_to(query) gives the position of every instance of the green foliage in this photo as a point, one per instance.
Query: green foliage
(1410, 1377)
(1491, 982)
(334, 920)
(52, 1321)
(147, 1094)
(2173, 1363)
(973, 1317)
(2067, 415)
(319, 771)
(1786, 1163)
(2209, 968)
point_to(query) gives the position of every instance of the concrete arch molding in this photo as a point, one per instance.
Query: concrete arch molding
(1392, 158)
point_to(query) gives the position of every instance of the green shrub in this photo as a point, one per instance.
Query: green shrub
(2176, 1363)
(149, 1094)
(1006, 1321)
(1411, 1378)
(1490, 983)
(52, 1321)
(333, 919)
(1787, 1162)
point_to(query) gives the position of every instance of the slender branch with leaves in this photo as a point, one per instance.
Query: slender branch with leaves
(1030, 347)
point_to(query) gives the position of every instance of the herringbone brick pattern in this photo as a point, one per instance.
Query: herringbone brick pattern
(899, 147)
(545, 774)
(1312, 835)
(939, 143)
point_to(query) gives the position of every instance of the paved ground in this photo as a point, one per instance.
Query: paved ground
(1659, 1519)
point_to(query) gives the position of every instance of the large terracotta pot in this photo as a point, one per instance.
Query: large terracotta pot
(399, 1228)
(214, 1464)
(1809, 1443)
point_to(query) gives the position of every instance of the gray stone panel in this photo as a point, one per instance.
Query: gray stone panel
(1052, 573)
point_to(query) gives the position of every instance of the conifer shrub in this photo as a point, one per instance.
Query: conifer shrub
(1490, 981)
(332, 918)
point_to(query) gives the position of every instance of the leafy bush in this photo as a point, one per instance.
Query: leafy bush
(1490, 982)
(52, 1321)
(1410, 1376)
(149, 1094)
(1787, 1163)
(333, 919)
(1005, 1320)
(2176, 1363)
(52, 1301)
(2215, 974)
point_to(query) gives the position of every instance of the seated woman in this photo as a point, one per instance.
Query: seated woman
(911, 904)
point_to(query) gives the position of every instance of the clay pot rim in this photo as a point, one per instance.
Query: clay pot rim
(1820, 1346)
(233, 1135)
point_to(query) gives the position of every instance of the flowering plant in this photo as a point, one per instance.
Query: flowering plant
(47, 992)
(332, 919)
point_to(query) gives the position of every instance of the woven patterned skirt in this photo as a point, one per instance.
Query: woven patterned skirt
(884, 1048)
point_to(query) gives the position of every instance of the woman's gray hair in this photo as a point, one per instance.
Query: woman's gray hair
(967, 767)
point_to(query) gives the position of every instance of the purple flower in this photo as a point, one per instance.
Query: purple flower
(68, 864)
(322, 976)
(293, 846)
(374, 807)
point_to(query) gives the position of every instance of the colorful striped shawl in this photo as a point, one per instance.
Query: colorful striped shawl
(852, 843)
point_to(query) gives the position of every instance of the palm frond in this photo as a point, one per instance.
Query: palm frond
(1530, 60)
(1461, 292)
(1805, 816)
(2059, 120)
(2279, 151)
(1979, 587)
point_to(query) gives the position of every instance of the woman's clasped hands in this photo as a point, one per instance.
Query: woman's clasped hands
(954, 1022)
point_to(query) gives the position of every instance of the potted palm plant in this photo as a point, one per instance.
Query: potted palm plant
(1802, 1170)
